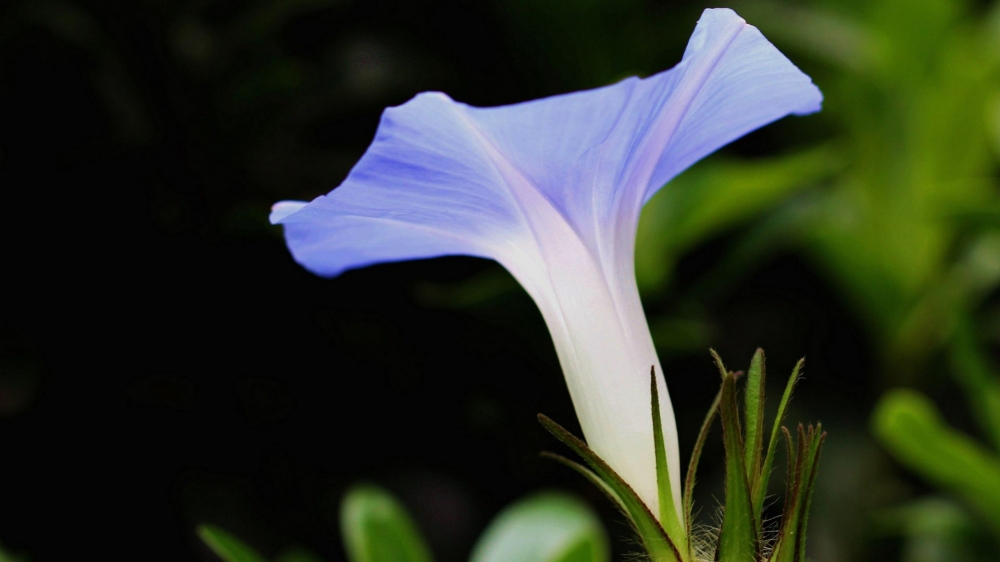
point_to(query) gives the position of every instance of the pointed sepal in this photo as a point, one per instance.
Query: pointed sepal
(669, 517)
(692, 471)
(803, 459)
(738, 536)
(754, 416)
(760, 489)
(654, 538)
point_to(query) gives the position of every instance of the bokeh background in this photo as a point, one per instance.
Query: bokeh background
(164, 363)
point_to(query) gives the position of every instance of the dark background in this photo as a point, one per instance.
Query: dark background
(166, 363)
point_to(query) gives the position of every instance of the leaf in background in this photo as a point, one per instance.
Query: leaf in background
(298, 554)
(978, 378)
(226, 546)
(7, 556)
(377, 528)
(546, 527)
(826, 35)
(935, 529)
(909, 426)
(688, 333)
(715, 195)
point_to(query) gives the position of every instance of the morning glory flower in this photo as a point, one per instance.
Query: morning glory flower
(552, 190)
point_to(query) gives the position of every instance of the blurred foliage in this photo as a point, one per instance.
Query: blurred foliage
(231, 549)
(938, 531)
(910, 427)
(226, 546)
(6, 556)
(544, 527)
(910, 227)
(377, 528)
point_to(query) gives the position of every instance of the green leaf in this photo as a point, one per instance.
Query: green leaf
(754, 413)
(7, 556)
(689, 479)
(226, 546)
(714, 195)
(760, 490)
(978, 378)
(298, 554)
(377, 528)
(546, 527)
(909, 426)
(655, 540)
(934, 529)
(668, 509)
(738, 537)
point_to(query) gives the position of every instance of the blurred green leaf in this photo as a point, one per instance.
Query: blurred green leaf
(934, 530)
(226, 546)
(7, 556)
(827, 35)
(680, 333)
(909, 426)
(915, 117)
(546, 527)
(715, 195)
(298, 554)
(377, 528)
(979, 379)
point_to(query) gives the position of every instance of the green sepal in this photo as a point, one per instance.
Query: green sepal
(668, 509)
(759, 491)
(227, 546)
(754, 414)
(377, 528)
(546, 527)
(590, 476)
(738, 536)
(655, 540)
(803, 460)
(689, 479)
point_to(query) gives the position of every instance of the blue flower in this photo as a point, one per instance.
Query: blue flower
(552, 189)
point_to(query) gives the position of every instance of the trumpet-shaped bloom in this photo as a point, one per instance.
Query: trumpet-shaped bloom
(552, 189)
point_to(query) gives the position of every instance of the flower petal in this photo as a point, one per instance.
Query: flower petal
(424, 188)
(734, 81)
(443, 178)
(599, 155)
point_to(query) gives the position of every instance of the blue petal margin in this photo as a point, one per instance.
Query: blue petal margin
(439, 177)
